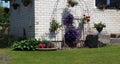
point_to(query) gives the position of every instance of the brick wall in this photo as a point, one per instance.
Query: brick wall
(43, 15)
(36, 17)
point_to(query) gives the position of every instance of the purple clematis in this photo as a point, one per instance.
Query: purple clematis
(68, 20)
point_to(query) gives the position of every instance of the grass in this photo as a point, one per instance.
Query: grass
(105, 55)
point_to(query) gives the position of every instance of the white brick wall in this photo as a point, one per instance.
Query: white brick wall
(43, 14)
(36, 17)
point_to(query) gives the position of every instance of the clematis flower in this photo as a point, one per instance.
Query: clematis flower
(68, 20)
(72, 34)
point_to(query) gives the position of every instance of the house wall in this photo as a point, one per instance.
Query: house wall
(44, 9)
(37, 16)
(43, 15)
(22, 18)
(111, 17)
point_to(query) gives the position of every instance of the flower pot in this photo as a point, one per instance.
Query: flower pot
(69, 2)
(72, 5)
(26, 4)
(101, 7)
(49, 45)
(15, 6)
(99, 29)
(53, 29)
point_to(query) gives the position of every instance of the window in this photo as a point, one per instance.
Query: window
(110, 4)
(101, 2)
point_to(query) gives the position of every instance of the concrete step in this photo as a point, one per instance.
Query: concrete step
(115, 40)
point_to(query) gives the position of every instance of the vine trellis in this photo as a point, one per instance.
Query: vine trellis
(84, 8)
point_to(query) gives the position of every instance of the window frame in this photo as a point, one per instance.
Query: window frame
(107, 4)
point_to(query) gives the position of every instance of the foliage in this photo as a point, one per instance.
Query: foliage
(30, 44)
(7, 41)
(5, 0)
(72, 3)
(26, 2)
(4, 20)
(72, 34)
(54, 25)
(85, 19)
(46, 44)
(15, 5)
(99, 25)
(68, 20)
(100, 6)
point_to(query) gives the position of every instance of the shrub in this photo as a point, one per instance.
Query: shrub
(30, 44)
(6, 41)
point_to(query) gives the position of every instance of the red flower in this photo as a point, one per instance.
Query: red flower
(88, 20)
(87, 16)
(41, 45)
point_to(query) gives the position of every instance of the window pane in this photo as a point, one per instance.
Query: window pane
(101, 2)
(114, 3)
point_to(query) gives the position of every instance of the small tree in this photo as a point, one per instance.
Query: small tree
(4, 20)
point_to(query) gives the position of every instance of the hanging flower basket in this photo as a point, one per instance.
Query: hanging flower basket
(101, 7)
(54, 25)
(72, 3)
(85, 19)
(99, 29)
(15, 6)
(6, 10)
(26, 2)
(99, 26)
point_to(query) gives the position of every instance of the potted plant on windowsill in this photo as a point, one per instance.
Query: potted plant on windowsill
(54, 25)
(101, 7)
(15, 6)
(99, 26)
(72, 3)
(26, 2)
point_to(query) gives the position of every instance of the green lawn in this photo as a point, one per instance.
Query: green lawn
(105, 55)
